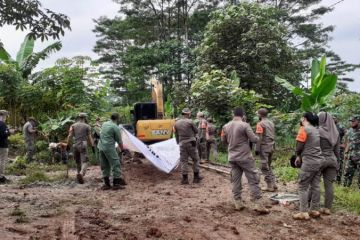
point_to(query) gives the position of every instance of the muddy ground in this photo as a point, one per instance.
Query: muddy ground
(153, 206)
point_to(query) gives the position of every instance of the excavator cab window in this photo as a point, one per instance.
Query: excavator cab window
(144, 111)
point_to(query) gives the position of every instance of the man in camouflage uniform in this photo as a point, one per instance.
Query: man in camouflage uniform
(341, 131)
(202, 136)
(81, 131)
(265, 130)
(352, 151)
(96, 136)
(29, 132)
(210, 140)
(185, 133)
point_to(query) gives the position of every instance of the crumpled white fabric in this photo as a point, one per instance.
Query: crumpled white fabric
(164, 155)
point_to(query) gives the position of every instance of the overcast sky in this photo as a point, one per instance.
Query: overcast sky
(80, 41)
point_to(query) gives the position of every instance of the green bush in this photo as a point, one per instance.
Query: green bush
(41, 145)
(18, 167)
(347, 198)
(35, 176)
(286, 174)
(43, 156)
(16, 140)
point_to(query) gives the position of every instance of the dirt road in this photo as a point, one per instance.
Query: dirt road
(153, 206)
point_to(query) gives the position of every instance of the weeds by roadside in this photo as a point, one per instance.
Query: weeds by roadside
(20, 215)
(347, 198)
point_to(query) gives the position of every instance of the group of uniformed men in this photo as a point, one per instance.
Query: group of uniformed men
(196, 140)
(239, 137)
(106, 137)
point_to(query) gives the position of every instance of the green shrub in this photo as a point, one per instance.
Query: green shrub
(35, 176)
(16, 144)
(43, 156)
(222, 158)
(16, 140)
(286, 174)
(41, 145)
(347, 198)
(18, 167)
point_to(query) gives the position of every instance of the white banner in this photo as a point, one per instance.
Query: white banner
(164, 155)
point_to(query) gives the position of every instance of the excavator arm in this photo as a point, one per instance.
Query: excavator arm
(157, 97)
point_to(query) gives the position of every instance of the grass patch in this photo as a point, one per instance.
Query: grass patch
(40, 176)
(286, 174)
(19, 167)
(347, 198)
(34, 176)
(222, 158)
(20, 215)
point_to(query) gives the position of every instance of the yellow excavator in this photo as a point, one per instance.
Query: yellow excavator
(150, 124)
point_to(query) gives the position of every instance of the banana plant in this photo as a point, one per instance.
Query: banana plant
(323, 85)
(26, 60)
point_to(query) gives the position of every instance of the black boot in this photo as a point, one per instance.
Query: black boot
(197, 178)
(122, 182)
(80, 178)
(106, 185)
(4, 180)
(185, 179)
(117, 185)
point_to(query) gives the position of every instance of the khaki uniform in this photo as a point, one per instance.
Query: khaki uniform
(185, 133)
(329, 169)
(29, 141)
(81, 132)
(265, 146)
(202, 138)
(211, 141)
(312, 161)
(237, 135)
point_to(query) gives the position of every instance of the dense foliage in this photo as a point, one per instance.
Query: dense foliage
(247, 38)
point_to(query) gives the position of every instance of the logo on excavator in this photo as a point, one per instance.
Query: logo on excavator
(160, 132)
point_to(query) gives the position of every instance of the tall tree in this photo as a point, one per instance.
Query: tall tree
(151, 37)
(248, 39)
(309, 35)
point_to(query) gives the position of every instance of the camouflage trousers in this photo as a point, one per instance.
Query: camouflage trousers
(30, 150)
(81, 157)
(350, 171)
(202, 148)
(341, 166)
(188, 149)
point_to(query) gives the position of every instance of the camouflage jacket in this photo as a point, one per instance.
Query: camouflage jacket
(353, 140)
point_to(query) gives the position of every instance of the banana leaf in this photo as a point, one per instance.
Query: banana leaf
(307, 102)
(4, 55)
(26, 49)
(328, 84)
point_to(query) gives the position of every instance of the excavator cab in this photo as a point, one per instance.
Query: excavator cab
(144, 111)
(148, 117)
